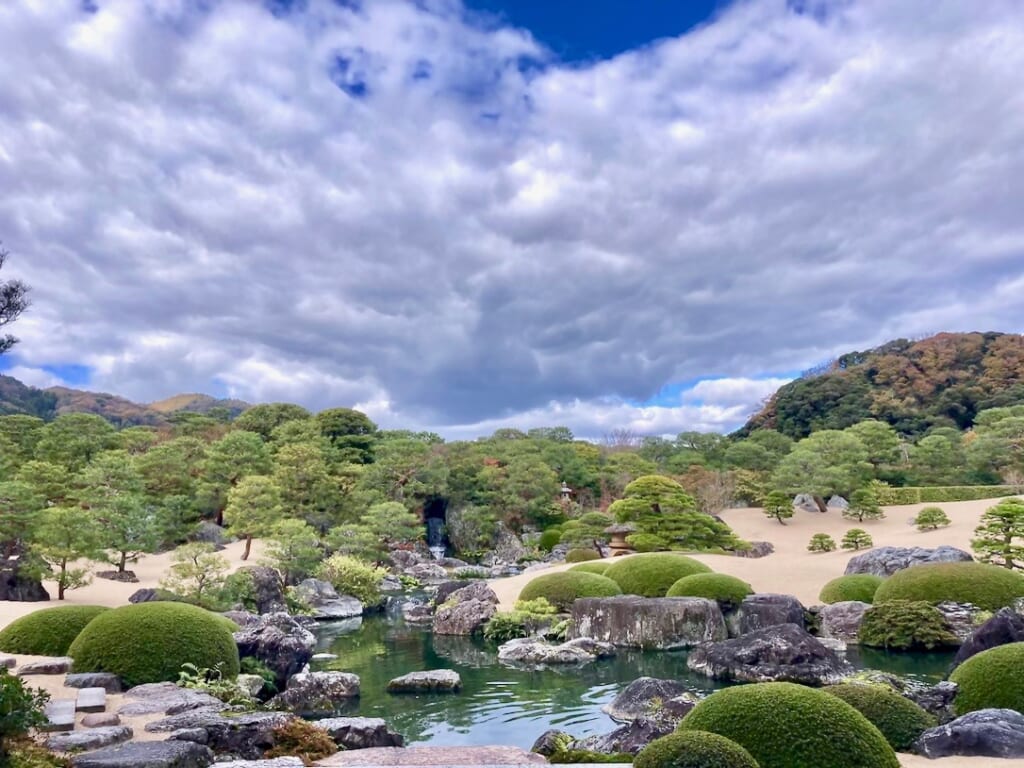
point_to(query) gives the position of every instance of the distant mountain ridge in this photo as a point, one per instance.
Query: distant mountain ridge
(16, 397)
(940, 381)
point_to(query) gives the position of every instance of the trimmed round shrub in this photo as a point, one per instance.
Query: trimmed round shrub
(596, 566)
(148, 643)
(991, 679)
(652, 575)
(727, 590)
(581, 555)
(549, 538)
(565, 588)
(48, 632)
(987, 586)
(905, 625)
(784, 725)
(694, 749)
(899, 719)
(859, 586)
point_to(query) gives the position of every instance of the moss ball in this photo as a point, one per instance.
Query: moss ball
(581, 555)
(652, 575)
(784, 725)
(597, 566)
(987, 586)
(148, 643)
(899, 719)
(565, 588)
(48, 632)
(727, 590)
(549, 538)
(991, 679)
(694, 749)
(859, 586)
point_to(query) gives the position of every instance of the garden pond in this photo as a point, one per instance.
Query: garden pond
(502, 705)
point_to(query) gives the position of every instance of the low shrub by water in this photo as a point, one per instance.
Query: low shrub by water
(905, 625)
(48, 632)
(565, 588)
(899, 719)
(652, 575)
(859, 586)
(694, 749)
(987, 586)
(727, 590)
(991, 679)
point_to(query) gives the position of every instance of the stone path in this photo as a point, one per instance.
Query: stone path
(434, 756)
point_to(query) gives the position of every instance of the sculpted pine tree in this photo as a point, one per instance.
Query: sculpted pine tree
(821, 542)
(864, 506)
(857, 538)
(779, 505)
(999, 538)
(13, 301)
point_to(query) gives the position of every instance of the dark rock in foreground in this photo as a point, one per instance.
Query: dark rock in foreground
(630, 738)
(1005, 626)
(148, 754)
(885, 561)
(985, 733)
(159, 698)
(652, 623)
(246, 735)
(93, 738)
(280, 642)
(842, 621)
(109, 682)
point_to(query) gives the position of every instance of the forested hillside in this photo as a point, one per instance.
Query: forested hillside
(942, 381)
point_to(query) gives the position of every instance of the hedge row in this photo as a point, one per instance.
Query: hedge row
(937, 494)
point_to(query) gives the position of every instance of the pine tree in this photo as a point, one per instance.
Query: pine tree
(857, 538)
(864, 506)
(778, 505)
(999, 537)
(821, 542)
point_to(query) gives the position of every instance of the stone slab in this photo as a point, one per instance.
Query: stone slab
(94, 738)
(54, 666)
(147, 754)
(109, 682)
(60, 715)
(92, 700)
(434, 756)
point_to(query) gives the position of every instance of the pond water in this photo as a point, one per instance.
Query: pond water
(501, 705)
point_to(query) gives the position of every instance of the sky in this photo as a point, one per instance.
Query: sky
(508, 213)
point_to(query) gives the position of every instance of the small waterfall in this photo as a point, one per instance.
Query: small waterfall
(435, 537)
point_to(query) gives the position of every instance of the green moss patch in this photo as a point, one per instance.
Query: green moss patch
(899, 719)
(597, 566)
(987, 586)
(565, 588)
(991, 679)
(694, 749)
(726, 590)
(859, 586)
(48, 632)
(652, 575)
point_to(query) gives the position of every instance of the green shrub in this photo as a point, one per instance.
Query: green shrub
(856, 538)
(647, 542)
(563, 589)
(859, 586)
(991, 679)
(149, 643)
(350, 576)
(596, 566)
(21, 709)
(930, 519)
(821, 542)
(987, 586)
(527, 619)
(727, 590)
(941, 494)
(549, 538)
(899, 719)
(694, 749)
(784, 725)
(905, 624)
(581, 555)
(653, 574)
(567, 756)
(48, 632)
(301, 738)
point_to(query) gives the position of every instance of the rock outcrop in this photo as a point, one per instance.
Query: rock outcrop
(360, 732)
(266, 585)
(630, 738)
(985, 733)
(280, 642)
(247, 735)
(665, 702)
(316, 694)
(1005, 626)
(19, 587)
(466, 610)
(651, 623)
(530, 651)
(762, 610)
(147, 754)
(842, 621)
(885, 561)
(326, 603)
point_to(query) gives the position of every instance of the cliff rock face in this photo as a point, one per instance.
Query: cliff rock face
(652, 623)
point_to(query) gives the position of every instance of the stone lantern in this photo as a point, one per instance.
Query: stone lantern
(618, 534)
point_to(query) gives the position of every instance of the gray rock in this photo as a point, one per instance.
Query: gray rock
(313, 694)
(961, 618)
(806, 503)
(838, 503)
(147, 754)
(630, 738)
(842, 620)
(418, 613)
(8, 662)
(663, 701)
(550, 742)
(427, 572)
(326, 603)
(242, 618)
(195, 735)
(100, 720)
(18, 587)
(159, 698)
(885, 561)
(403, 559)
(250, 685)
(763, 610)
(757, 549)
(473, 590)
(56, 666)
(1006, 626)
(267, 591)
(652, 623)
(361, 732)
(466, 617)
(93, 738)
(280, 642)
(433, 681)
(985, 733)
(784, 652)
(448, 588)
(508, 547)
(245, 735)
(533, 652)
(126, 577)
(211, 533)
(276, 762)
(109, 682)
(144, 595)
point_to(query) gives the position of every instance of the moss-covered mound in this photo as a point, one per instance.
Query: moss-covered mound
(899, 719)
(652, 575)
(992, 678)
(48, 632)
(597, 566)
(859, 586)
(148, 643)
(905, 625)
(581, 555)
(727, 590)
(987, 586)
(565, 588)
(694, 749)
(783, 725)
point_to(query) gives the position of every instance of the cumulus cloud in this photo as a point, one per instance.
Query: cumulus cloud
(388, 204)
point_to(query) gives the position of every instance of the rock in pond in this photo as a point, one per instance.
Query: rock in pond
(313, 694)
(648, 697)
(361, 732)
(782, 653)
(531, 651)
(630, 738)
(1006, 626)
(427, 572)
(434, 681)
(465, 611)
(280, 642)
(651, 623)
(418, 613)
(762, 610)
(326, 603)
(985, 733)
(147, 754)
(885, 561)
(247, 735)
(842, 620)
(93, 738)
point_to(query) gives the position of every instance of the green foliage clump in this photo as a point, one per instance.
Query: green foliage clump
(595, 566)
(149, 643)
(646, 542)
(549, 538)
(21, 709)
(821, 542)
(809, 728)
(857, 538)
(864, 506)
(858, 586)
(899, 719)
(904, 625)
(527, 618)
(987, 586)
(779, 505)
(301, 738)
(991, 679)
(931, 518)
(651, 575)
(727, 590)
(350, 576)
(694, 749)
(941, 494)
(565, 588)
(581, 555)
(48, 632)
(999, 537)
(576, 756)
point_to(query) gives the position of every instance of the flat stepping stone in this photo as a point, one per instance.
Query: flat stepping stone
(433, 681)
(435, 756)
(60, 715)
(95, 738)
(92, 700)
(57, 666)
(276, 762)
(100, 720)
(147, 754)
(109, 682)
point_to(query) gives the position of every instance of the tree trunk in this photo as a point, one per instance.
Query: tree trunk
(248, 546)
(60, 579)
(124, 561)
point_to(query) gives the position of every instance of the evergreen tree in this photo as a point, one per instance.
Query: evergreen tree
(857, 538)
(779, 505)
(999, 537)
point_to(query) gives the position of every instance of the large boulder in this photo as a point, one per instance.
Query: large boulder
(280, 642)
(629, 738)
(781, 653)
(316, 694)
(433, 681)
(19, 587)
(325, 602)
(984, 733)
(842, 621)
(961, 618)
(885, 561)
(837, 502)
(360, 732)
(508, 547)
(663, 701)
(652, 623)
(762, 610)
(147, 754)
(266, 585)
(530, 651)
(1006, 626)
(92, 738)
(806, 503)
(160, 698)
(247, 735)
(427, 572)
(465, 611)
(109, 682)
(757, 549)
